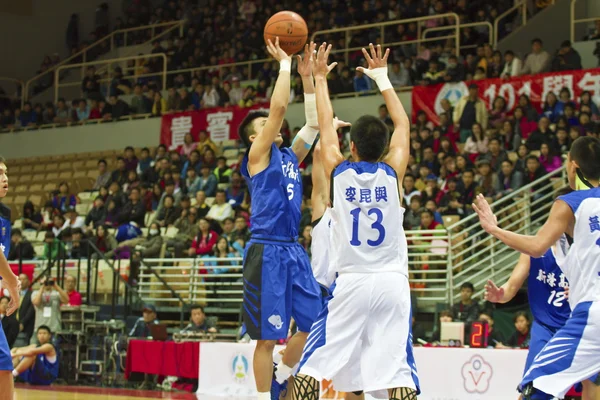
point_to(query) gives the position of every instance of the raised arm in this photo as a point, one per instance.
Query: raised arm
(331, 156)
(306, 137)
(559, 221)
(319, 197)
(508, 291)
(260, 151)
(399, 151)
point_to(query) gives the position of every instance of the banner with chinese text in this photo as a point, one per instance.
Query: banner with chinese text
(220, 123)
(429, 98)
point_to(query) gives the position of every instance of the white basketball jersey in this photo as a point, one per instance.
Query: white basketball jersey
(366, 219)
(581, 265)
(319, 249)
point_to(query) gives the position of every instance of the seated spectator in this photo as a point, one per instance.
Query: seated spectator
(467, 310)
(455, 72)
(28, 116)
(362, 83)
(204, 242)
(586, 100)
(64, 200)
(510, 179)
(497, 114)
(510, 140)
(140, 104)
(512, 65)
(561, 143)
(470, 110)
(223, 251)
(567, 58)
(445, 316)
(409, 189)
(131, 161)
(192, 182)
(529, 110)
(141, 329)
(542, 134)
(520, 338)
(495, 337)
(187, 229)
(112, 214)
(20, 248)
(47, 301)
(104, 175)
(222, 171)
(412, 218)
(188, 145)
(134, 210)
(549, 161)
(53, 247)
(37, 364)
(159, 106)
(74, 295)
(78, 247)
(10, 325)
(148, 247)
(533, 172)
(537, 61)
(433, 74)
(95, 112)
(74, 220)
(63, 115)
(488, 182)
(208, 181)
(168, 213)
(523, 127)
(83, 111)
(209, 159)
(220, 210)
(477, 143)
(199, 322)
(103, 241)
(7, 120)
(145, 161)
(240, 231)
(235, 192)
(564, 99)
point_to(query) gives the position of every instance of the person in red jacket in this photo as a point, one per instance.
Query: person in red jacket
(204, 241)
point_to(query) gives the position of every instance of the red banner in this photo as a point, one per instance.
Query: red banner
(428, 98)
(220, 123)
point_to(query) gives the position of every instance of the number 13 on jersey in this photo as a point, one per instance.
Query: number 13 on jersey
(375, 226)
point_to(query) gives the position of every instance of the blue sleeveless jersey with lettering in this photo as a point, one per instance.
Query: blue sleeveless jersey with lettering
(4, 229)
(546, 291)
(43, 372)
(276, 196)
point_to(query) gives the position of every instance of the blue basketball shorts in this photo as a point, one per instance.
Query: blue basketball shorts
(278, 285)
(5, 357)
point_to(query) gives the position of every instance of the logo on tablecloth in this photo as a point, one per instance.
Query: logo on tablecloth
(239, 368)
(476, 375)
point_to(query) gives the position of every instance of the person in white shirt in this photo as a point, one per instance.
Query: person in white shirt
(537, 61)
(512, 65)
(220, 210)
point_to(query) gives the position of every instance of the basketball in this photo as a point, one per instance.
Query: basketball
(291, 30)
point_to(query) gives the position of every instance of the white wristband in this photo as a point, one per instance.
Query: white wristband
(310, 109)
(308, 134)
(285, 65)
(384, 83)
(380, 76)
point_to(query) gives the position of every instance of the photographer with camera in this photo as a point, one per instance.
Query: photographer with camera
(47, 301)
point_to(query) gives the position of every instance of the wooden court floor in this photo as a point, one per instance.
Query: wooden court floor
(26, 392)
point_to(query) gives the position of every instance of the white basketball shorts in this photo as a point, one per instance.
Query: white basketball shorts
(362, 339)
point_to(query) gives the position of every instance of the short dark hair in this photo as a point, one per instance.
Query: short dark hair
(129, 148)
(170, 182)
(469, 170)
(17, 231)
(426, 211)
(76, 231)
(585, 151)
(102, 161)
(509, 53)
(119, 158)
(196, 307)
(531, 157)
(145, 148)
(245, 130)
(44, 328)
(228, 219)
(537, 40)
(219, 191)
(169, 197)
(370, 136)
(467, 285)
(509, 161)
(521, 314)
(495, 139)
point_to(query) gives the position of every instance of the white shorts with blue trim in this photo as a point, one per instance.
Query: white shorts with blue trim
(571, 356)
(362, 338)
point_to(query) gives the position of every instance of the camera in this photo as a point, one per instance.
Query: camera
(49, 282)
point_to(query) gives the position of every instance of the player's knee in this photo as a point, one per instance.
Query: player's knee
(265, 345)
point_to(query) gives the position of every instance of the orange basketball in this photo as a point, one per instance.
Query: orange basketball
(291, 30)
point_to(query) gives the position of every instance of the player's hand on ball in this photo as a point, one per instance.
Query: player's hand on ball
(320, 67)
(493, 293)
(276, 52)
(488, 220)
(305, 63)
(376, 59)
(338, 123)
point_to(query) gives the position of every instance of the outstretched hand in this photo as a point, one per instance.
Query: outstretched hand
(320, 67)
(276, 52)
(377, 59)
(305, 63)
(487, 219)
(338, 123)
(493, 293)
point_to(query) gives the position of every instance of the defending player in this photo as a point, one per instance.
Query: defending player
(11, 283)
(361, 340)
(571, 355)
(278, 280)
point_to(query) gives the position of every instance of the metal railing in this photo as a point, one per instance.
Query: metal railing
(109, 63)
(348, 30)
(487, 24)
(112, 39)
(476, 256)
(522, 6)
(20, 85)
(575, 21)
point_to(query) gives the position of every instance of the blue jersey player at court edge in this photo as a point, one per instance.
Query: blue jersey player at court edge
(571, 355)
(11, 283)
(278, 280)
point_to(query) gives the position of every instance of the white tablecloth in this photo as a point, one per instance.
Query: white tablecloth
(444, 373)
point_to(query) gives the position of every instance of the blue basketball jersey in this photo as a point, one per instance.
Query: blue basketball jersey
(276, 195)
(546, 291)
(4, 229)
